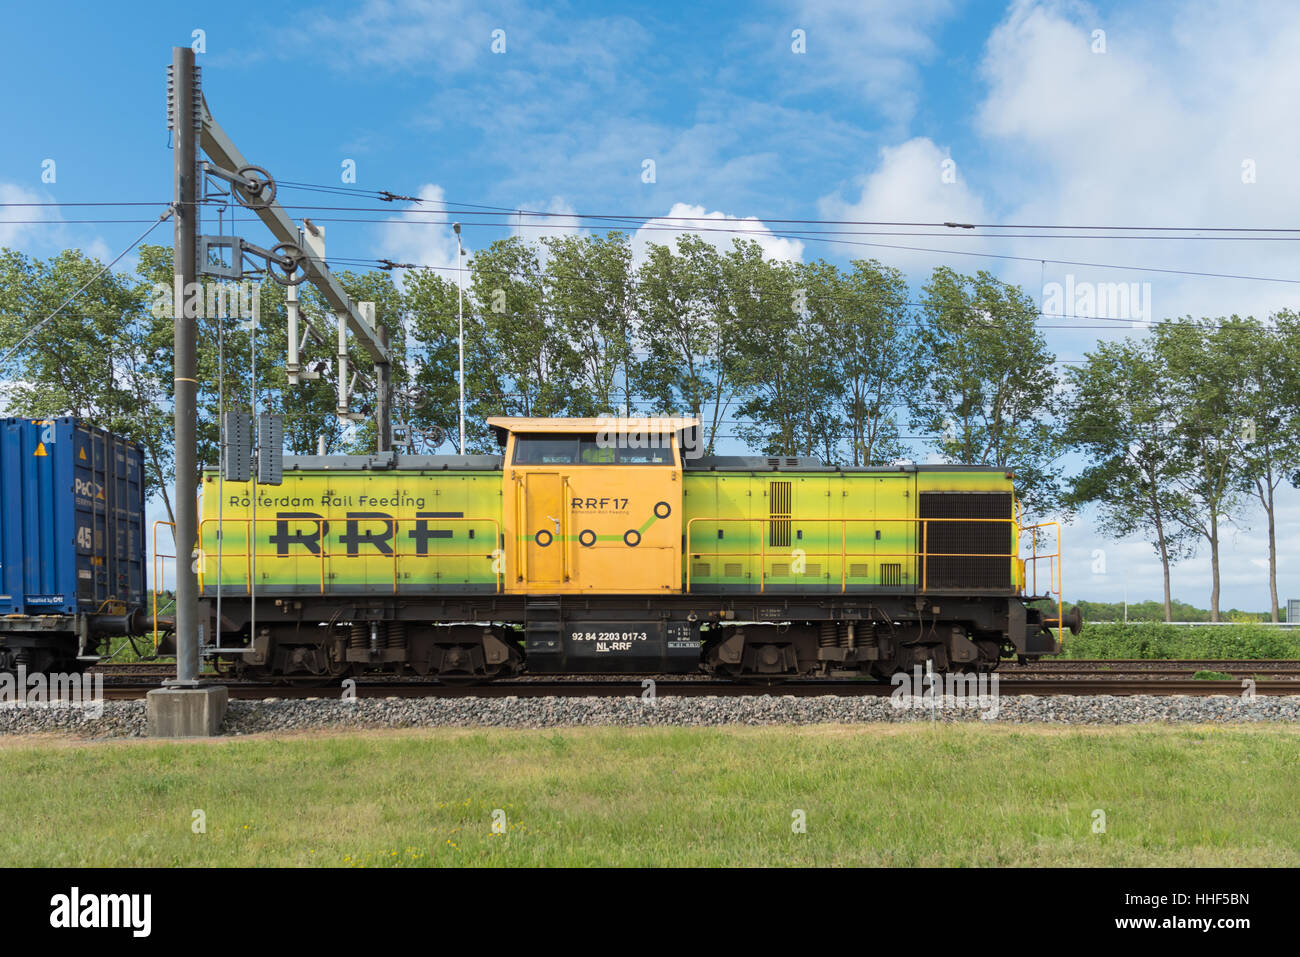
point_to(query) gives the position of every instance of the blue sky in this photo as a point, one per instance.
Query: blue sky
(1039, 126)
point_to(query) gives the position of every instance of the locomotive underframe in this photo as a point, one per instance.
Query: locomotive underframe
(477, 636)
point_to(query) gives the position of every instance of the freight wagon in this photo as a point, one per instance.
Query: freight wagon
(596, 545)
(72, 556)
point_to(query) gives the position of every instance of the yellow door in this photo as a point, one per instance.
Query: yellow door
(544, 528)
(896, 543)
(624, 529)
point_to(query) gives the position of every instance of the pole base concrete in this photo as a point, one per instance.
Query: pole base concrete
(186, 712)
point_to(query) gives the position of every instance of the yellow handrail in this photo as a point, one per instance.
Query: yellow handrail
(1053, 559)
(521, 519)
(925, 538)
(157, 573)
(565, 544)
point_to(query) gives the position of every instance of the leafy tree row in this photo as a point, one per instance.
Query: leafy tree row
(1177, 430)
(1184, 427)
(1154, 611)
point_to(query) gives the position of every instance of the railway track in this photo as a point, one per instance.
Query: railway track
(1047, 665)
(1054, 669)
(1145, 668)
(668, 688)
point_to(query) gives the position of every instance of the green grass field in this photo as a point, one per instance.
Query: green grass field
(871, 795)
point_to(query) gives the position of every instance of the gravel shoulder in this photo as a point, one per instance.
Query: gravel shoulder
(127, 718)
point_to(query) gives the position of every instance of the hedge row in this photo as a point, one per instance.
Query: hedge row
(1158, 641)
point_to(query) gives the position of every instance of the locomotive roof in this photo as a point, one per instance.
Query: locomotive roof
(647, 423)
(384, 461)
(784, 463)
(387, 461)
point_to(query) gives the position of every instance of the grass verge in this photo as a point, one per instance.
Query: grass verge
(870, 795)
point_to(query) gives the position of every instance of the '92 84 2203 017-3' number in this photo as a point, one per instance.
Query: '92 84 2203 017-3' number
(608, 636)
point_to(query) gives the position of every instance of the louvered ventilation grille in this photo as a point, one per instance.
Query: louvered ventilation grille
(778, 496)
(973, 539)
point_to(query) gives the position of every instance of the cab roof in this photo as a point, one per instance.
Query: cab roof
(503, 424)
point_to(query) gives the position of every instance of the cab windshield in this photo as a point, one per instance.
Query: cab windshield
(543, 449)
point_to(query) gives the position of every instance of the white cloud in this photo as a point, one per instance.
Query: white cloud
(870, 46)
(98, 249)
(404, 34)
(545, 219)
(716, 228)
(1152, 132)
(406, 239)
(915, 182)
(411, 239)
(42, 240)
(1132, 568)
(449, 37)
(12, 234)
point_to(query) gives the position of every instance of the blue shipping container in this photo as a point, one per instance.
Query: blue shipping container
(71, 519)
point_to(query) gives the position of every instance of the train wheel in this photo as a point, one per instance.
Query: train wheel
(990, 653)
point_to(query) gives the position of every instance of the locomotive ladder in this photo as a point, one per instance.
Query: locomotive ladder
(543, 620)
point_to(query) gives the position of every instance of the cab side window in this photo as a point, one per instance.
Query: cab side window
(658, 456)
(546, 449)
(540, 449)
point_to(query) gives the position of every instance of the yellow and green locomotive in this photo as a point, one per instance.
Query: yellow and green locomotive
(595, 545)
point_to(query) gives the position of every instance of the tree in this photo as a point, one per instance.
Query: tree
(104, 357)
(588, 289)
(1207, 362)
(518, 358)
(1271, 432)
(432, 353)
(989, 389)
(1119, 410)
(864, 317)
(780, 354)
(683, 330)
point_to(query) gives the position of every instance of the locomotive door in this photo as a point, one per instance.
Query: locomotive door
(544, 528)
(895, 539)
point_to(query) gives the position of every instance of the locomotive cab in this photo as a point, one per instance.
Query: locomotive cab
(593, 506)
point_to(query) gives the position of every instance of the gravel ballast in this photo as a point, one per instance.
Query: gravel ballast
(127, 718)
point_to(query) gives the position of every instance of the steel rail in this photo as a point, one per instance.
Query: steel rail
(668, 689)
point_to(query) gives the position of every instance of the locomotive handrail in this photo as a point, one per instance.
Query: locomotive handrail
(924, 552)
(157, 572)
(1053, 558)
(565, 544)
(1054, 582)
(521, 518)
(325, 554)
